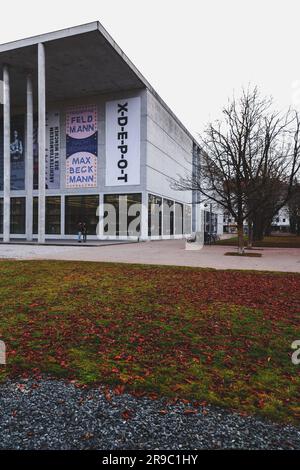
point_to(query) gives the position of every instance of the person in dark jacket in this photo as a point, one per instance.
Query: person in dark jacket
(80, 229)
(84, 232)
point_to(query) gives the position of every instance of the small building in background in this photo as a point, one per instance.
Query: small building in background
(281, 221)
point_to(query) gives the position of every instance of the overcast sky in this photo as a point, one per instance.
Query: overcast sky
(195, 53)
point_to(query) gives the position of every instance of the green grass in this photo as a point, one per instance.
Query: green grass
(218, 336)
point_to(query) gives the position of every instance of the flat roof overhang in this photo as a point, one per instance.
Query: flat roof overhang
(80, 61)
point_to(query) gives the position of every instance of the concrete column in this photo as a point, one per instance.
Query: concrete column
(29, 159)
(194, 193)
(196, 225)
(6, 152)
(42, 139)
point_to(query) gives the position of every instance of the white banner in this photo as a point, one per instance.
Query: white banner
(123, 122)
(52, 153)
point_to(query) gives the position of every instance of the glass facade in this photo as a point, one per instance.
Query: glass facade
(17, 215)
(178, 218)
(52, 212)
(154, 216)
(1, 215)
(52, 215)
(168, 217)
(35, 220)
(211, 224)
(81, 209)
(122, 214)
(134, 209)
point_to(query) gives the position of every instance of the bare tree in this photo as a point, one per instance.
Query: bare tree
(245, 158)
(294, 210)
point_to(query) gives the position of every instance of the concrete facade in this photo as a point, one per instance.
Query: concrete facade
(84, 66)
(169, 151)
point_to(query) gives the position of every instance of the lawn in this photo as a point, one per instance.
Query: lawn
(273, 241)
(221, 337)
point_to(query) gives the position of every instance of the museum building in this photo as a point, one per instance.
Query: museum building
(83, 130)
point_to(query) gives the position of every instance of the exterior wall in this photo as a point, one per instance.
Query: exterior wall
(100, 102)
(169, 152)
(101, 189)
(165, 151)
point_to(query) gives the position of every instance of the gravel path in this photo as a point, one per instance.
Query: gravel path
(53, 414)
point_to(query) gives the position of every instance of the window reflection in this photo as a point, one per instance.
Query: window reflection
(17, 215)
(154, 216)
(81, 209)
(122, 214)
(53, 215)
(168, 217)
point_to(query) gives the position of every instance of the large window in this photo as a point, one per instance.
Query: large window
(52, 209)
(81, 209)
(154, 216)
(178, 218)
(211, 222)
(122, 214)
(1, 215)
(168, 217)
(17, 215)
(134, 209)
(35, 216)
(53, 215)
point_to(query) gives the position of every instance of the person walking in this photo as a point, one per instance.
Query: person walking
(84, 232)
(80, 228)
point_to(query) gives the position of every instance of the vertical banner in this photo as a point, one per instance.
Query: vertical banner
(123, 122)
(1, 155)
(81, 147)
(17, 153)
(35, 154)
(52, 153)
(52, 150)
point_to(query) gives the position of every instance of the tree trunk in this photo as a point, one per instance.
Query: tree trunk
(258, 229)
(240, 237)
(268, 226)
(250, 234)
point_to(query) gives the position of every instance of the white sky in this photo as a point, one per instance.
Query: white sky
(195, 53)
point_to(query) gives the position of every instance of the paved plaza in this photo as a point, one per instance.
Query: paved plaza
(167, 252)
